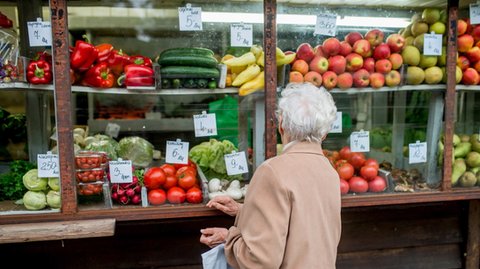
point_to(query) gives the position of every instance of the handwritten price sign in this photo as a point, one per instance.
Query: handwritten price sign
(337, 124)
(176, 152)
(112, 129)
(474, 13)
(205, 124)
(48, 165)
(39, 33)
(432, 44)
(241, 35)
(190, 18)
(120, 171)
(326, 25)
(360, 141)
(236, 163)
(417, 152)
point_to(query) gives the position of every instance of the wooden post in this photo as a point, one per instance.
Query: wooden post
(473, 240)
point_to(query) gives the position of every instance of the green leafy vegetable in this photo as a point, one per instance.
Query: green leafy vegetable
(35, 200)
(209, 156)
(53, 199)
(136, 149)
(33, 182)
(11, 183)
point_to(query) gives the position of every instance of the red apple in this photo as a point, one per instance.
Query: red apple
(470, 77)
(476, 66)
(300, 66)
(345, 48)
(464, 42)
(352, 37)
(473, 54)
(295, 77)
(361, 78)
(396, 60)
(305, 52)
(461, 27)
(354, 62)
(377, 80)
(463, 62)
(381, 51)
(395, 42)
(319, 51)
(362, 47)
(476, 33)
(319, 64)
(374, 37)
(393, 78)
(337, 64)
(329, 80)
(383, 66)
(369, 64)
(314, 78)
(331, 46)
(345, 81)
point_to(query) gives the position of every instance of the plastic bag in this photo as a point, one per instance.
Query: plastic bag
(215, 258)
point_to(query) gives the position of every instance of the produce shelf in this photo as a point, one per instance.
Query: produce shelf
(470, 88)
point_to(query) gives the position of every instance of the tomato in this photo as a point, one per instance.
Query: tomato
(378, 184)
(345, 153)
(169, 169)
(345, 171)
(339, 162)
(154, 177)
(358, 185)
(186, 180)
(368, 172)
(179, 165)
(186, 169)
(170, 181)
(176, 195)
(156, 197)
(357, 159)
(344, 187)
(371, 161)
(194, 195)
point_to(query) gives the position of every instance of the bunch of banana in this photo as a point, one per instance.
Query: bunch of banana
(247, 72)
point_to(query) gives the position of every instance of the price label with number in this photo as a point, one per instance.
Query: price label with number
(432, 44)
(176, 152)
(241, 35)
(48, 165)
(360, 141)
(474, 13)
(112, 130)
(417, 152)
(326, 25)
(120, 171)
(39, 33)
(337, 124)
(236, 163)
(205, 124)
(190, 18)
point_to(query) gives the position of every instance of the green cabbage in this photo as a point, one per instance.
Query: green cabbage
(136, 149)
(209, 155)
(33, 182)
(34, 200)
(108, 146)
(53, 199)
(54, 183)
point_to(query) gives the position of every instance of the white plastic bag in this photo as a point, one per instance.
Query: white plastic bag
(215, 258)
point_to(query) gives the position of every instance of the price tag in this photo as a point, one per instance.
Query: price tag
(417, 152)
(337, 124)
(474, 13)
(176, 152)
(39, 33)
(432, 44)
(236, 163)
(112, 130)
(205, 124)
(326, 25)
(120, 171)
(190, 18)
(360, 141)
(48, 165)
(241, 35)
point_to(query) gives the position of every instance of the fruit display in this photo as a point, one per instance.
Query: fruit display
(468, 46)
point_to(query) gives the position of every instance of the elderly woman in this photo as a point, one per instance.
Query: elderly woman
(290, 217)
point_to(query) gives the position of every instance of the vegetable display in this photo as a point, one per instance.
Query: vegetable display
(11, 182)
(209, 155)
(136, 149)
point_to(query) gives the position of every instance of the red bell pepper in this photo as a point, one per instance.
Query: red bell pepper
(104, 51)
(83, 55)
(117, 61)
(137, 75)
(43, 55)
(5, 22)
(99, 76)
(39, 72)
(141, 60)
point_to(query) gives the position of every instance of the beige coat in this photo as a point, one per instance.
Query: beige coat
(291, 214)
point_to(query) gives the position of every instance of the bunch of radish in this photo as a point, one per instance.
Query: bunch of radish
(127, 193)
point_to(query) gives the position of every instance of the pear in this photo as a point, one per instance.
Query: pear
(475, 141)
(431, 15)
(411, 55)
(419, 28)
(464, 138)
(459, 167)
(427, 61)
(418, 42)
(473, 159)
(468, 179)
(462, 149)
(433, 75)
(415, 75)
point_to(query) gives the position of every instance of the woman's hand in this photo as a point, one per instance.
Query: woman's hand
(213, 236)
(226, 204)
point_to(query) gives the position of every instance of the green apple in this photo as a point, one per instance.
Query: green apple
(427, 61)
(433, 75)
(415, 75)
(419, 28)
(416, 17)
(438, 27)
(418, 42)
(411, 55)
(431, 15)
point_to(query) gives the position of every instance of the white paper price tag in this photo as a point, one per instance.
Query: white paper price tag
(48, 165)
(241, 35)
(432, 44)
(205, 124)
(474, 13)
(112, 130)
(417, 152)
(337, 124)
(39, 33)
(120, 171)
(190, 18)
(360, 141)
(176, 152)
(236, 163)
(326, 25)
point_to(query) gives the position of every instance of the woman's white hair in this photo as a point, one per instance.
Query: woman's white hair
(307, 112)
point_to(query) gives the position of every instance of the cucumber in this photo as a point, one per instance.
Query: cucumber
(188, 60)
(189, 72)
(187, 51)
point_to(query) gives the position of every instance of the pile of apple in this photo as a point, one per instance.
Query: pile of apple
(357, 173)
(358, 61)
(468, 46)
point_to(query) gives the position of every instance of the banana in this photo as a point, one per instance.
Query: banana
(287, 59)
(248, 74)
(260, 59)
(256, 50)
(245, 59)
(279, 53)
(253, 85)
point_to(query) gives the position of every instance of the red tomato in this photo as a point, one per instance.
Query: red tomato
(156, 197)
(344, 187)
(345, 152)
(371, 161)
(186, 180)
(190, 163)
(378, 184)
(357, 159)
(368, 172)
(345, 171)
(194, 195)
(169, 169)
(176, 195)
(154, 178)
(339, 162)
(358, 185)
(170, 181)
(186, 169)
